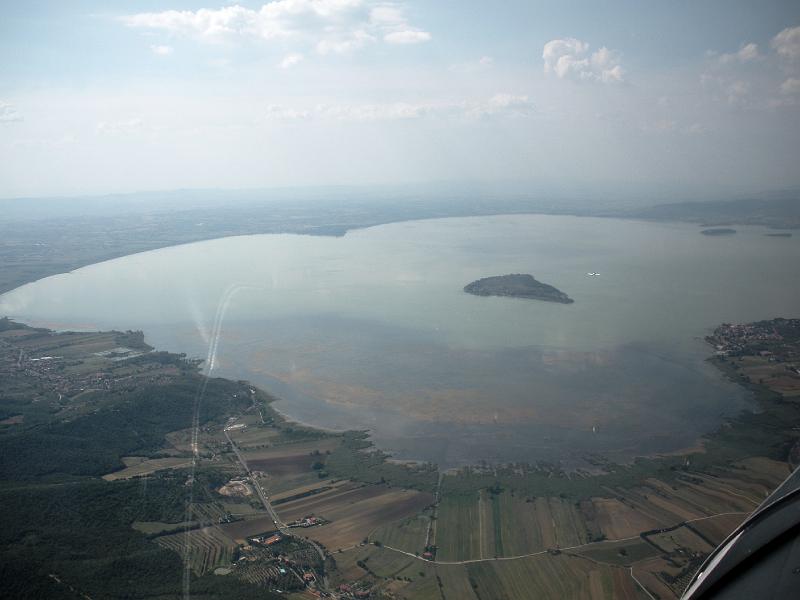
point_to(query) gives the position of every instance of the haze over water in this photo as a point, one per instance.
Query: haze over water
(373, 330)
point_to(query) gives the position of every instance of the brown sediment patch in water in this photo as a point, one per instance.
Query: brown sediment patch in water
(698, 447)
(470, 406)
(500, 403)
(461, 406)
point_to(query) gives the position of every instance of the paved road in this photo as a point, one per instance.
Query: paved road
(259, 490)
(279, 525)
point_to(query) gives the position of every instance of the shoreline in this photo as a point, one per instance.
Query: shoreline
(342, 230)
(696, 445)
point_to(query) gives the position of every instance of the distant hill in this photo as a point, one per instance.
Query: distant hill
(778, 210)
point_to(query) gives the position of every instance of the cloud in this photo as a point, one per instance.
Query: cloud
(744, 79)
(290, 60)
(505, 105)
(738, 93)
(161, 50)
(388, 15)
(484, 63)
(124, 127)
(277, 19)
(569, 58)
(344, 44)
(9, 114)
(332, 26)
(375, 112)
(791, 86)
(747, 53)
(407, 36)
(275, 112)
(391, 22)
(749, 78)
(203, 23)
(787, 43)
(347, 112)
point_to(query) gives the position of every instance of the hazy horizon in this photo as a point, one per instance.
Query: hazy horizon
(598, 196)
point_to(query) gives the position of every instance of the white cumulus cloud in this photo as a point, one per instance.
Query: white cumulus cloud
(280, 18)
(513, 105)
(332, 26)
(343, 44)
(738, 92)
(791, 86)
(276, 112)
(388, 15)
(390, 21)
(290, 60)
(499, 105)
(8, 114)
(374, 112)
(747, 53)
(787, 43)
(569, 58)
(408, 36)
(123, 127)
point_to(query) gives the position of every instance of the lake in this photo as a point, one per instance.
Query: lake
(373, 331)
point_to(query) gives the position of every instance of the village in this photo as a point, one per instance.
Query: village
(773, 338)
(74, 364)
(278, 562)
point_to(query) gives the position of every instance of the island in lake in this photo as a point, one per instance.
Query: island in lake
(517, 286)
(718, 231)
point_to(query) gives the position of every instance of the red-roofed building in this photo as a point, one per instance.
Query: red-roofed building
(272, 540)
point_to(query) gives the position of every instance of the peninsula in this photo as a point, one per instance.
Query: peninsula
(718, 231)
(517, 285)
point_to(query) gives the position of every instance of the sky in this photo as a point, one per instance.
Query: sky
(110, 97)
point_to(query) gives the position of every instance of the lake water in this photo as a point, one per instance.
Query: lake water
(372, 330)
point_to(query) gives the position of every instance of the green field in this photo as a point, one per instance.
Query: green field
(546, 577)
(487, 524)
(408, 535)
(454, 582)
(619, 553)
(457, 528)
